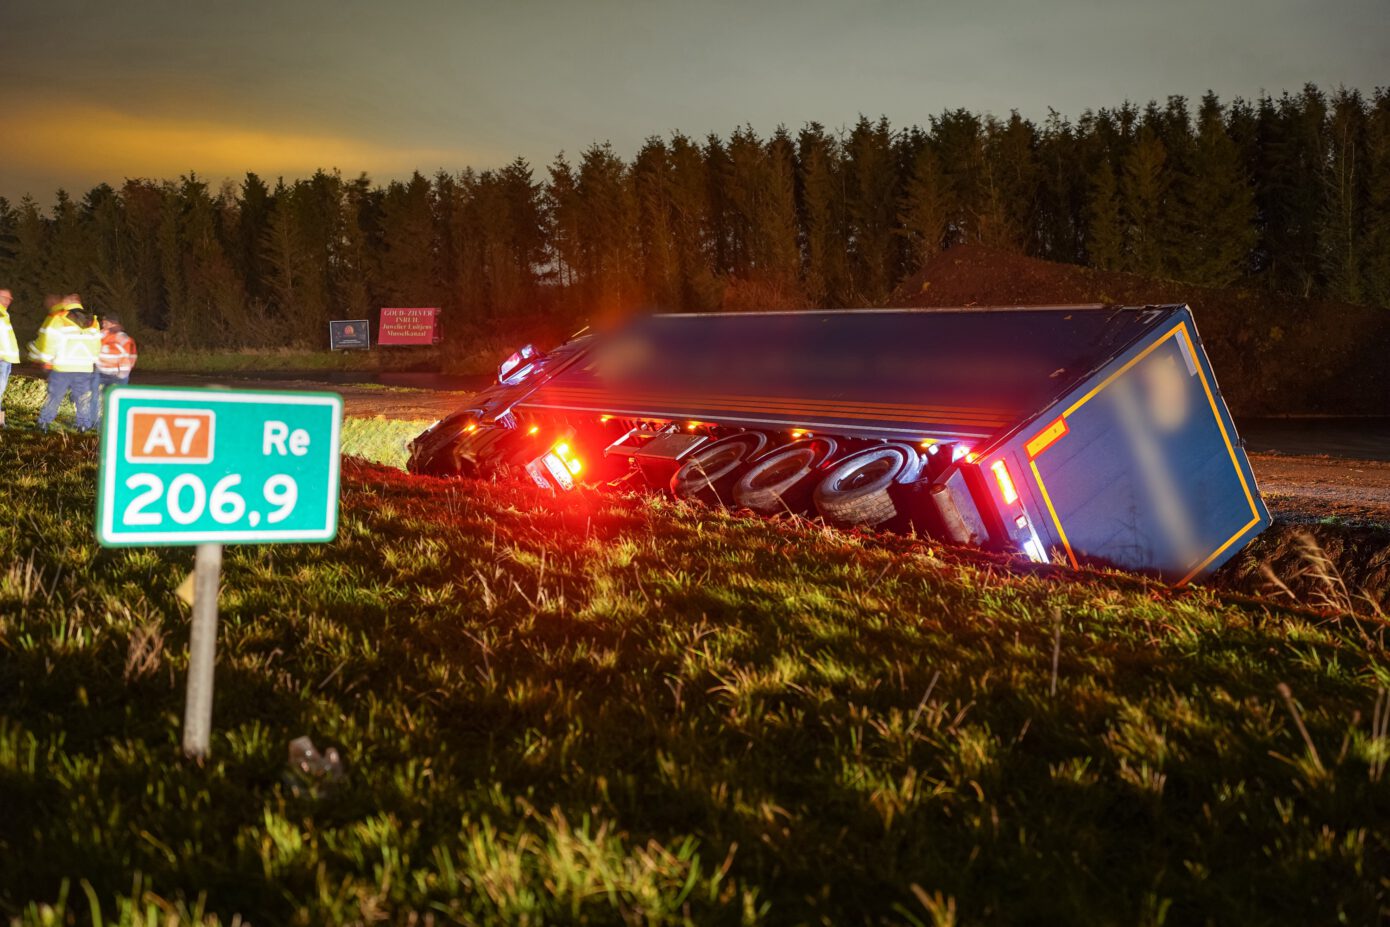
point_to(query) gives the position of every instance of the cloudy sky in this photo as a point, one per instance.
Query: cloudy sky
(93, 91)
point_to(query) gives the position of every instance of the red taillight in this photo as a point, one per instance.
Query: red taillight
(1006, 483)
(567, 456)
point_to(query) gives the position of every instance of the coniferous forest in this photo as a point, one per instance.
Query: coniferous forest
(1288, 193)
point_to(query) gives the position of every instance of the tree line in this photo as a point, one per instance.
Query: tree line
(1289, 193)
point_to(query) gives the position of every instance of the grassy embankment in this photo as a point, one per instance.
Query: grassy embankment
(469, 354)
(617, 709)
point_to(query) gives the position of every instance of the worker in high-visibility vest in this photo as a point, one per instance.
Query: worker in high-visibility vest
(9, 347)
(118, 356)
(68, 346)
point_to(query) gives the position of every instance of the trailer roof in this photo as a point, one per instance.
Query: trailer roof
(968, 371)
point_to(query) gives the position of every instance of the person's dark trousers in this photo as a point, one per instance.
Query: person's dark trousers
(103, 380)
(59, 385)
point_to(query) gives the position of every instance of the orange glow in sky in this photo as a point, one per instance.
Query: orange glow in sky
(113, 145)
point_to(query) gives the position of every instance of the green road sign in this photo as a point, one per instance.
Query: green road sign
(199, 466)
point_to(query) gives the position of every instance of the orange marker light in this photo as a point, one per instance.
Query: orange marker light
(1006, 483)
(535, 429)
(471, 428)
(567, 457)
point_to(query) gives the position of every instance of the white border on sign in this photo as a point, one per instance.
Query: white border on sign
(330, 524)
(130, 436)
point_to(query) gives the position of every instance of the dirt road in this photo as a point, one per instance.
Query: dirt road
(1313, 488)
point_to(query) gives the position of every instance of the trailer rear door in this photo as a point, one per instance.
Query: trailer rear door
(1140, 466)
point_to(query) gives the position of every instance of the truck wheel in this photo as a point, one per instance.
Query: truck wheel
(781, 480)
(856, 491)
(435, 453)
(708, 474)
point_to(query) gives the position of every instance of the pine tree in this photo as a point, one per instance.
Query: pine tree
(562, 222)
(253, 215)
(923, 217)
(350, 284)
(30, 267)
(113, 279)
(283, 254)
(1377, 210)
(1105, 229)
(170, 244)
(1344, 178)
(1216, 208)
(1290, 191)
(651, 177)
(823, 217)
(70, 251)
(871, 182)
(1143, 192)
(606, 219)
(407, 259)
(699, 287)
(960, 149)
(1010, 218)
(9, 225)
(1062, 190)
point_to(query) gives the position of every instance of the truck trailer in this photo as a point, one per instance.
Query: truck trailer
(1070, 434)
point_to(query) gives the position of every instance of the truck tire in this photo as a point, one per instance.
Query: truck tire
(781, 480)
(857, 491)
(435, 453)
(708, 475)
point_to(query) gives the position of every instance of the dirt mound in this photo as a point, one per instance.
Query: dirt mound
(1275, 354)
(1342, 567)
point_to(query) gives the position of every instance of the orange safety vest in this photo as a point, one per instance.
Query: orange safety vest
(118, 354)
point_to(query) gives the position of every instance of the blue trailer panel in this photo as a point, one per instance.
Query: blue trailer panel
(1139, 465)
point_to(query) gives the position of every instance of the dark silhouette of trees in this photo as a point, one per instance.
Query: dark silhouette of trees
(1289, 193)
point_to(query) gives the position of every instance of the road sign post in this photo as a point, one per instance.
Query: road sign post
(202, 650)
(208, 467)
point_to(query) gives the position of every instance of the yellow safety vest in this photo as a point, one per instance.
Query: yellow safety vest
(9, 347)
(65, 346)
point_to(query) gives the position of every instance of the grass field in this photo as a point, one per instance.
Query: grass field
(476, 354)
(616, 709)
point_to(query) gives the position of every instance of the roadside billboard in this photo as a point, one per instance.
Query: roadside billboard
(408, 326)
(349, 334)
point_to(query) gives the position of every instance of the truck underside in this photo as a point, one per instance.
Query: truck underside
(974, 427)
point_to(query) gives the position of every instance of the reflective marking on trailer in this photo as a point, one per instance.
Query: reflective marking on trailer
(880, 410)
(1047, 500)
(1187, 345)
(787, 422)
(1047, 437)
(546, 399)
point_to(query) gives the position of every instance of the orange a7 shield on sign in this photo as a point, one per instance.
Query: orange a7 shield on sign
(169, 435)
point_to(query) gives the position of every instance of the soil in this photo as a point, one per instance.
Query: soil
(1312, 489)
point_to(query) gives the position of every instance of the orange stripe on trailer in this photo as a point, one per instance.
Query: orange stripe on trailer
(680, 410)
(848, 403)
(878, 411)
(1047, 437)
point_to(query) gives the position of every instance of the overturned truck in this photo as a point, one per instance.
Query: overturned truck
(1066, 434)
